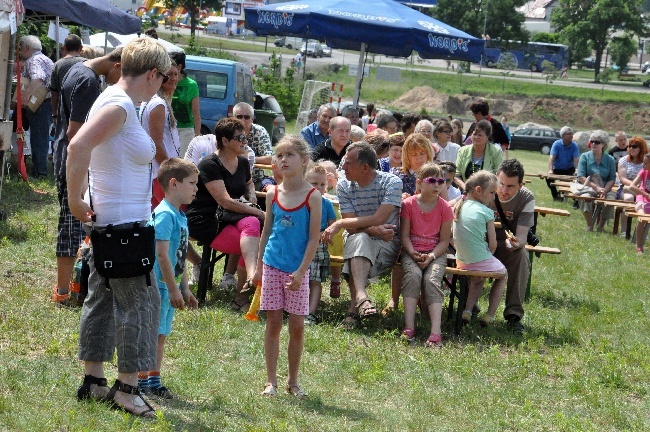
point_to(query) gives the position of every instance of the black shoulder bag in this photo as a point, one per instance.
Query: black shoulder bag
(124, 251)
(531, 238)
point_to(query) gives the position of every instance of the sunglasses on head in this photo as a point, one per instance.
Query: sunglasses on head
(596, 142)
(434, 180)
(164, 77)
(240, 138)
(634, 146)
(243, 116)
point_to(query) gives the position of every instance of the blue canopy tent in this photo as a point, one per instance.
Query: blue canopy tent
(99, 14)
(379, 26)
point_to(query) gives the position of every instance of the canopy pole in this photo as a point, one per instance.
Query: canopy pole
(56, 36)
(357, 88)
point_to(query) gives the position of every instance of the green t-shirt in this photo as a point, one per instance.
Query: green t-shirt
(186, 90)
(470, 232)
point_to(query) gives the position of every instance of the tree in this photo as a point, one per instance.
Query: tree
(503, 22)
(192, 6)
(554, 38)
(591, 23)
(621, 49)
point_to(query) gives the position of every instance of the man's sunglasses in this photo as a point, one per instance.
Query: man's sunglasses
(243, 116)
(434, 180)
(164, 77)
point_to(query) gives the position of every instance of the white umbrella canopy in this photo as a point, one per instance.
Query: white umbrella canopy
(110, 40)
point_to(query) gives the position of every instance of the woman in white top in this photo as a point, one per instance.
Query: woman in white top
(114, 152)
(448, 149)
(628, 168)
(158, 120)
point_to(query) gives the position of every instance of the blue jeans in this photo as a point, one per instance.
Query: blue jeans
(39, 137)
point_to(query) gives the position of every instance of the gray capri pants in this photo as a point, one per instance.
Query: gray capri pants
(125, 317)
(429, 278)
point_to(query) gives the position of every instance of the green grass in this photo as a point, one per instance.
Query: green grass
(583, 364)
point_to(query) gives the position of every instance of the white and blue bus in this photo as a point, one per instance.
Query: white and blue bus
(521, 55)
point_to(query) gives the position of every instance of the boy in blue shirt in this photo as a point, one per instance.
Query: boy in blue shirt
(178, 179)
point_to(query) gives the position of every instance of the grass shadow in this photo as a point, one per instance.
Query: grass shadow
(562, 300)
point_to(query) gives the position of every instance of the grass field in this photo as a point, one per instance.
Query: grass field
(583, 364)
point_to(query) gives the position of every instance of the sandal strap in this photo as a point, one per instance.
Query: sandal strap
(89, 379)
(126, 388)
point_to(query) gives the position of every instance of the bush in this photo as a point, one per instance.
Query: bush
(285, 89)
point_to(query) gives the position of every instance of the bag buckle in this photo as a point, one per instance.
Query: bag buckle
(108, 264)
(124, 241)
(145, 262)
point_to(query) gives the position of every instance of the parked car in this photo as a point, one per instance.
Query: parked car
(646, 83)
(645, 68)
(268, 102)
(589, 63)
(312, 49)
(538, 139)
(327, 51)
(222, 84)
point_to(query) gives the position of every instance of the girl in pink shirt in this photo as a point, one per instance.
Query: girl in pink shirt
(425, 230)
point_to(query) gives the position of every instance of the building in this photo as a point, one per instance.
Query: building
(538, 15)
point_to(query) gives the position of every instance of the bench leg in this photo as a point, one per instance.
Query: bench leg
(204, 273)
(530, 277)
(452, 294)
(462, 301)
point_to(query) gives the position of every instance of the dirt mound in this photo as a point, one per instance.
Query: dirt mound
(585, 115)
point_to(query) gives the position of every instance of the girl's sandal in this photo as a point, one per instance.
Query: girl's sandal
(137, 400)
(248, 287)
(295, 390)
(434, 341)
(269, 390)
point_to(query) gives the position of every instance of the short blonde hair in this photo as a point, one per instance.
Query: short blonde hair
(142, 55)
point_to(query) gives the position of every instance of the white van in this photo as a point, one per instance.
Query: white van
(289, 42)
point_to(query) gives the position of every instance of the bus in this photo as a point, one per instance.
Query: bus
(522, 55)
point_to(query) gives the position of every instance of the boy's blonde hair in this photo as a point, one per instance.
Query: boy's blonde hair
(415, 141)
(315, 167)
(177, 168)
(329, 166)
(480, 178)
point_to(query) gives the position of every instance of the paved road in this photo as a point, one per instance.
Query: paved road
(349, 58)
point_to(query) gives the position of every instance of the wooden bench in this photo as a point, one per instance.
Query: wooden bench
(631, 213)
(627, 77)
(619, 207)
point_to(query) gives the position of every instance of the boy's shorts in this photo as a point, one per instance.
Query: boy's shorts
(275, 296)
(319, 269)
(166, 313)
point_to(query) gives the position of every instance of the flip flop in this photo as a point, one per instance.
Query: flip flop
(365, 308)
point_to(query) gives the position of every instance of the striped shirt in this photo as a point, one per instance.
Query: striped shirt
(386, 188)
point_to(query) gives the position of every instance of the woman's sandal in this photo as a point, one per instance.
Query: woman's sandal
(243, 307)
(269, 390)
(132, 390)
(434, 341)
(295, 390)
(366, 308)
(86, 391)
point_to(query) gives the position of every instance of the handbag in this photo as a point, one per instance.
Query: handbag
(227, 217)
(582, 189)
(124, 251)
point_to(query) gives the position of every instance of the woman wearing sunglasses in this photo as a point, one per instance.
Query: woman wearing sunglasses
(225, 176)
(597, 170)
(442, 135)
(628, 167)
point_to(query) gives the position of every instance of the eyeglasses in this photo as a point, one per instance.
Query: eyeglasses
(447, 131)
(243, 116)
(425, 132)
(596, 142)
(634, 146)
(240, 138)
(164, 77)
(434, 180)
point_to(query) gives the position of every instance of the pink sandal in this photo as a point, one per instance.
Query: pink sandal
(408, 335)
(434, 341)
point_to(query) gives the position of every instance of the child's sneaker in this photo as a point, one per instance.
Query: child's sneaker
(162, 392)
(486, 320)
(228, 282)
(61, 299)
